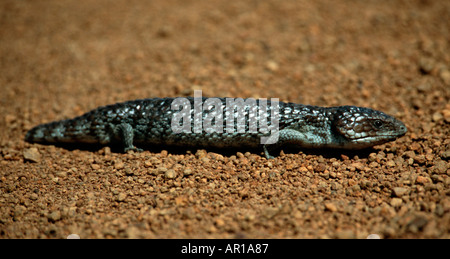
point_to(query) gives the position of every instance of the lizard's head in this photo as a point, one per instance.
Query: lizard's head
(364, 127)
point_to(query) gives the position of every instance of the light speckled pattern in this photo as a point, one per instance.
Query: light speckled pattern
(148, 121)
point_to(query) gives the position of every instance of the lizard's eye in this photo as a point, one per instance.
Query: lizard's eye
(377, 124)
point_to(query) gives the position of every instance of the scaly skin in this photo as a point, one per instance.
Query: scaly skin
(148, 121)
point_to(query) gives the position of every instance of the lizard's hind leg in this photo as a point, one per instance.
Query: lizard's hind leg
(125, 133)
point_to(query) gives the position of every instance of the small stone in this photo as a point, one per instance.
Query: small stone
(219, 222)
(9, 119)
(417, 224)
(188, 213)
(446, 154)
(335, 186)
(320, 168)
(303, 170)
(107, 151)
(331, 207)
(445, 75)
(358, 165)
(147, 164)
(270, 212)
(119, 165)
(345, 234)
(19, 211)
(437, 116)
(170, 174)
(159, 170)
(164, 31)
(34, 196)
(373, 236)
(421, 179)
(73, 236)
(426, 65)
(200, 153)
(121, 196)
(440, 167)
(129, 171)
(420, 159)
(187, 172)
(446, 115)
(61, 174)
(54, 216)
(409, 154)
(373, 157)
(399, 191)
(272, 66)
(390, 163)
(396, 202)
(32, 154)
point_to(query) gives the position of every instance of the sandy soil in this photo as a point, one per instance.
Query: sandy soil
(61, 59)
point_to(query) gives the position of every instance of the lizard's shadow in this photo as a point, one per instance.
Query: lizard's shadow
(324, 152)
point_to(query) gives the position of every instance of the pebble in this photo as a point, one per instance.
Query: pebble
(446, 115)
(200, 153)
(399, 191)
(9, 119)
(158, 171)
(390, 163)
(54, 216)
(420, 159)
(187, 172)
(303, 170)
(19, 211)
(320, 168)
(421, 179)
(426, 65)
(34, 196)
(396, 202)
(61, 174)
(437, 116)
(147, 164)
(373, 236)
(32, 154)
(445, 75)
(440, 167)
(170, 174)
(417, 223)
(121, 196)
(272, 66)
(345, 234)
(331, 207)
(119, 165)
(219, 222)
(446, 154)
(409, 154)
(164, 31)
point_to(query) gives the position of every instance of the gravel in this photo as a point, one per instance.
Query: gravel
(388, 56)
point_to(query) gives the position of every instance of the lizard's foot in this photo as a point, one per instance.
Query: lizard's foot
(132, 148)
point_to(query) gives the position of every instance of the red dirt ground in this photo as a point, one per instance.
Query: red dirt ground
(61, 59)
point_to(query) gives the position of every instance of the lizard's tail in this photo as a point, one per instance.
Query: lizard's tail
(64, 131)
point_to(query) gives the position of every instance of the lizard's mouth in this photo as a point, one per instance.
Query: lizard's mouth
(368, 141)
(386, 136)
(383, 136)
